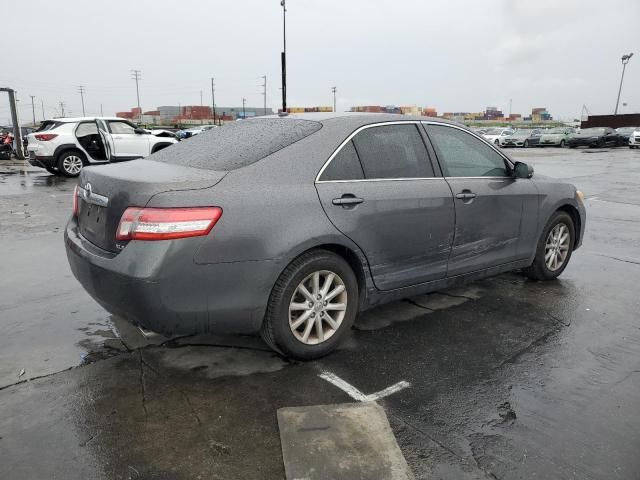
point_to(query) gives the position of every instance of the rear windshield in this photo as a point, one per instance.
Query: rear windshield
(48, 125)
(238, 144)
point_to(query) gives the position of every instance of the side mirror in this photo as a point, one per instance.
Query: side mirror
(140, 131)
(522, 170)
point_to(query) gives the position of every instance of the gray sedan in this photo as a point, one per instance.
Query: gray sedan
(290, 226)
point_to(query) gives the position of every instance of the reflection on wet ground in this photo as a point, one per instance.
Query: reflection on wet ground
(508, 378)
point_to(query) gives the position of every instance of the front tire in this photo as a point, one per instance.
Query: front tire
(312, 306)
(561, 143)
(554, 248)
(70, 163)
(526, 144)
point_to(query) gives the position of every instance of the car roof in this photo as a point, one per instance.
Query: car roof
(80, 119)
(363, 118)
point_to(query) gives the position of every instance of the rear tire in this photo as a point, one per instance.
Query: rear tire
(295, 295)
(553, 245)
(526, 144)
(71, 162)
(561, 143)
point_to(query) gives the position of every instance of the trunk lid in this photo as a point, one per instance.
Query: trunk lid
(107, 190)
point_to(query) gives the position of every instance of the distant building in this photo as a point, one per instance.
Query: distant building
(493, 113)
(540, 114)
(429, 112)
(308, 109)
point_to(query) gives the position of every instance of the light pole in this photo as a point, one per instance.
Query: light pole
(264, 94)
(213, 100)
(333, 90)
(136, 74)
(625, 60)
(283, 56)
(244, 114)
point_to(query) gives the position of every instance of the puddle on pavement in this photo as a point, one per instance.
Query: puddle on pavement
(214, 362)
(14, 180)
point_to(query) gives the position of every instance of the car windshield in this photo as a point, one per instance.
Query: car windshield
(523, 133)
(626, 129)
(237, 144)
(592, 131)
(493, 131)
(557, 130)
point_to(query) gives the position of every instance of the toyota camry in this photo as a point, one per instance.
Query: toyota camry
(289, 226)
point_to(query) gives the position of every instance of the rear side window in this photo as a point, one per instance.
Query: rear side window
(87, 128)
(393, 151)
(344, 166)
(237, 144)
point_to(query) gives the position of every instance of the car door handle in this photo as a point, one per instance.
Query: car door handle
(347, 200)
(466, 195)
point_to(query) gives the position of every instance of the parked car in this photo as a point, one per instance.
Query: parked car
(495, 135)
(594, 137)
(522, 138)
(66, 145)
(634, 139)
(557, 137)
(625, 134)
(290, 226)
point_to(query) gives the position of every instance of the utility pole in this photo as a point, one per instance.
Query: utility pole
(264, 94)
(17, 131)
(101, 114)
(283, 56)
(136, 75)
(625, 60)
(42, 105)
(244, 114)
(81, 91)
(333, 90)
(33, 109)
(62, 108)
(510, 103)
(200, 97)
(213, 100)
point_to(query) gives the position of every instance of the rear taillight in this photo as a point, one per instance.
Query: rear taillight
(166, 223)
(75, 201)
(45, 137)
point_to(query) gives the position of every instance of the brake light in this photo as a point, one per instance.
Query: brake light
(166, 223)
(45, 137)
(75, 201)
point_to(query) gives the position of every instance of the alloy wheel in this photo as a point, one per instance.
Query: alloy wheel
(317, 307)
(557, 247)
(72, 164)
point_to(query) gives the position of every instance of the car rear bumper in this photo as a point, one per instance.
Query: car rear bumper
(41, 161)
(158, 286)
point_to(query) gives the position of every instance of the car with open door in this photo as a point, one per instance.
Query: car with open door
(289, 226)
(65, 145)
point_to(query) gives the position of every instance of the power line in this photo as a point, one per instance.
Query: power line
(81, 90)
(33, 109)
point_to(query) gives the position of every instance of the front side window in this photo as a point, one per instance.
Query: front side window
(463, 155)
(344, 166)
(121, 128)
(393, 151)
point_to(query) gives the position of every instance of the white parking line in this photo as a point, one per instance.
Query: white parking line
(356, 394)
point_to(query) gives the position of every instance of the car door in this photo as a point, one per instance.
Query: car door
(496, 213)
(611, 137)
(106, 139)
(128, 143)
(380, 190)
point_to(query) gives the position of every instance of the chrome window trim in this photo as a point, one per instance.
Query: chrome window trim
(402, 122)
(348, 139)
(473, 134)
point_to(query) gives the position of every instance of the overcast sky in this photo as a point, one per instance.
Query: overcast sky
(455, 55)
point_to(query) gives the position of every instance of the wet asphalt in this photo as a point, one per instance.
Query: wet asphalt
(508, 378)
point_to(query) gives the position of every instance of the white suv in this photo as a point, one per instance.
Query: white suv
(65, 145)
